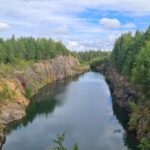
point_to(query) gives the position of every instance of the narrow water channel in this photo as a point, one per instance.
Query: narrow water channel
(82, 108)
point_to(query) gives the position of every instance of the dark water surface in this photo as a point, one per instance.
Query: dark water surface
(82, 108)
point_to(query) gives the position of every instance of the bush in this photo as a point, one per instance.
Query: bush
(144, 144)
(28, 92)
(59, 143)
(98, 61)
(134, 117)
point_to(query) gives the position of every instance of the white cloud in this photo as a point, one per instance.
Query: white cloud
(75, 45)
(61, 30)
(4, 26)
(110, 23)
(61, 19)
(114, 23)
(129, 26)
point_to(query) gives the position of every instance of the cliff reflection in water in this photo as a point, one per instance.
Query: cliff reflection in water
(83, 109)
(43, 103)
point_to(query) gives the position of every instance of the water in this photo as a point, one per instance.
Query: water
(82, 108)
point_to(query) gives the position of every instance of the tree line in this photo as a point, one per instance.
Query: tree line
(29, 48)
(88, 56)
(131, 57)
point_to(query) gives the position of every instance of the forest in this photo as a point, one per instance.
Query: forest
(88, 56)
(29, 48)
(131, 58)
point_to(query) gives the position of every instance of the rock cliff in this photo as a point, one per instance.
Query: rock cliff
(122, 90)
(45, 72)
(30, 81)
(13, 101)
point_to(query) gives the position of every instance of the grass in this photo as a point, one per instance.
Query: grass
(6, 94)
(19, 65)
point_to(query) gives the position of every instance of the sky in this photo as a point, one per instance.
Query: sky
(79, 24)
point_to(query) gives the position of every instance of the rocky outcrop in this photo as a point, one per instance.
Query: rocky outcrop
(122, 91)
(13, 101)
(33, 78)
(2, 139)
(2, 135)
(45, 72)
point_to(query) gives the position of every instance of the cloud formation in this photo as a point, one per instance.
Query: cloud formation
(114, 23)
(4, 26)
(74, 22)
(110, 23)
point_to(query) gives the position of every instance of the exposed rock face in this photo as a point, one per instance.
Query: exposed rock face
(45, 72)
(14, 105)
(123, 92)
(121, 89)
(35, 77)
(2, 140)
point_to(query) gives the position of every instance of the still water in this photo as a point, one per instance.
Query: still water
(82, 108)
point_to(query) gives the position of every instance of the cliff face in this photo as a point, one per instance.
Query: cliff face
(45, 72)
(31, 80)
(122, 91)
(13, 101)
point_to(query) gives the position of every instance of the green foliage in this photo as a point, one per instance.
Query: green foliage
(20, 65)
(12, 50)
(28, 92)
(87, 56)
(134, 116)
(59, 143)
(125, 50)
(144, 144)
(131, 57)
(97, 61)
(141, 70)
(6, 94)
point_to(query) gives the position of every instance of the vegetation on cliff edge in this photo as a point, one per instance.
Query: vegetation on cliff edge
(131, 58)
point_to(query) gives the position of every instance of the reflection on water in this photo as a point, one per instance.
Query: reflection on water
(123, 118)
(82, 108)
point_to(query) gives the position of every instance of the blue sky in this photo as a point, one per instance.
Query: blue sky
(79, 24)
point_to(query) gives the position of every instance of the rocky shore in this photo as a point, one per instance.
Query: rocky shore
(121, 89)
(124, 92)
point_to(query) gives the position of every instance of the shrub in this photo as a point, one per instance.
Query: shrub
(28, 92)
(134, 117)
(59, 143)
(98, 61)
(144, 144)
